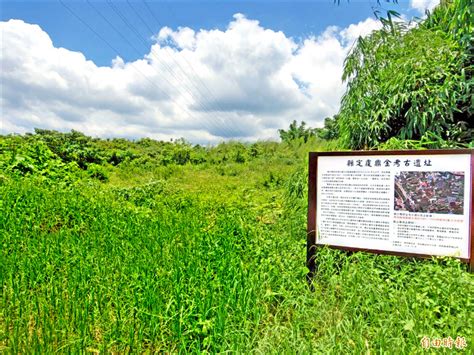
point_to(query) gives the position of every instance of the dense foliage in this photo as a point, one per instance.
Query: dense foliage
(146, 246)
(412, 81)
(329, 131)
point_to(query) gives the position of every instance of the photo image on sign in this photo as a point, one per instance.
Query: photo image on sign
(430, 192)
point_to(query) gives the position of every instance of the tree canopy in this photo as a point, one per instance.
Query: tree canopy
(410, 80)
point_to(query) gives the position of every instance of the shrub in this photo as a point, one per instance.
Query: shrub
(98, 172)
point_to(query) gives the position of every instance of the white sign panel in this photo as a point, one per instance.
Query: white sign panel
(417, 204)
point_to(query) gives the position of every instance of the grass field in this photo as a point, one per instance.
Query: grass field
(205, 257)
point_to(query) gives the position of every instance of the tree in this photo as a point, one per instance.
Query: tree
(296, 132)
(330, 129)
(408, 81)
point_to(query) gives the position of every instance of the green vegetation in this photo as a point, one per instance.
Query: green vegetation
(118, 246)
(329, 131)
(147, 246)
(412, 82)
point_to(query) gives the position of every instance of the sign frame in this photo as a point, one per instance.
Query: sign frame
(311, 243)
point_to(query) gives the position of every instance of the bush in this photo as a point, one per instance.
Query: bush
(98, 172)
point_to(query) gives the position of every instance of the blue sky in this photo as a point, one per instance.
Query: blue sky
(203, 70)
(298, 19)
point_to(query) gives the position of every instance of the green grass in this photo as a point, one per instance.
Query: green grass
(205, 258)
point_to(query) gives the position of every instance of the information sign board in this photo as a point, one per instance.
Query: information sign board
(412, 203)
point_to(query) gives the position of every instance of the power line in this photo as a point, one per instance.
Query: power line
(203, 84)
(123, 18)
(136, 50)
(168, 69)
(188, 89)
(118, 53)
(187, 62)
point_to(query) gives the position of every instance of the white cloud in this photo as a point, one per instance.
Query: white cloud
(361, 29)
(243, 82)
(423, 5)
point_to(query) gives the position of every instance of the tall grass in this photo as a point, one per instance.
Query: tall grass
(96, 272)
(159, 268)
(155, 256)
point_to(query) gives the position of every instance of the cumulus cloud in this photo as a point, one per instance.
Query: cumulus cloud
(243, 82)
(423, 5)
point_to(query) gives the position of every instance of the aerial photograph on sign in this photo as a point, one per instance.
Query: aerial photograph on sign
(430, 192)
